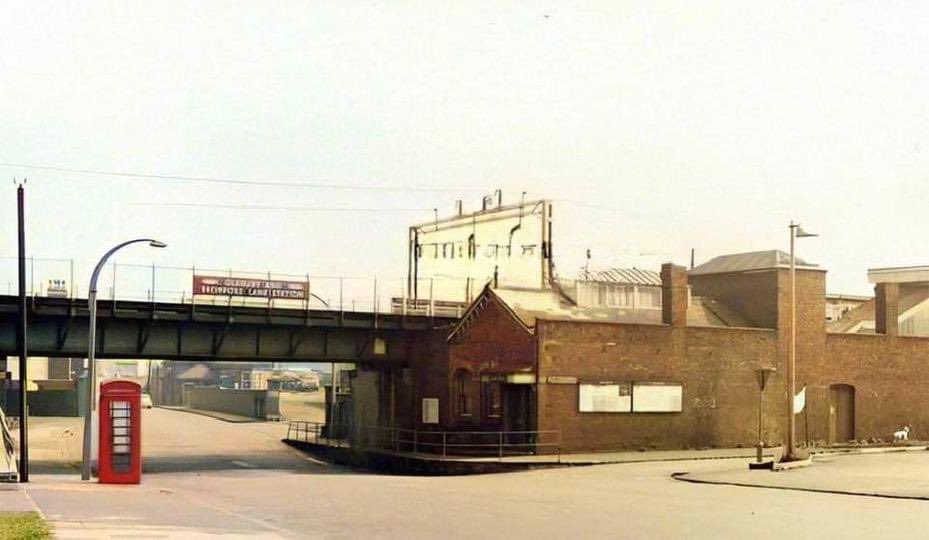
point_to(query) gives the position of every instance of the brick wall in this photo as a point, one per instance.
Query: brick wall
(425, 377)
(890, 375)
(717, 368)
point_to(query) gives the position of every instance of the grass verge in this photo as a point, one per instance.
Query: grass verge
(24, 525)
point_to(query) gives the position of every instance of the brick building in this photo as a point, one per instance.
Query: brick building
(684, 376)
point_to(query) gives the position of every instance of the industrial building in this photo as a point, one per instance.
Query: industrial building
(609, 377)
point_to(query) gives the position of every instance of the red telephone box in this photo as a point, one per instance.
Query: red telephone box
(120, 456)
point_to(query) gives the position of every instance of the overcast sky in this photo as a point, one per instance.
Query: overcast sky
(679, 125)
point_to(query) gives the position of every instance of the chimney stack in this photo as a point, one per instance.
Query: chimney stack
(674, 295)
(886, 308)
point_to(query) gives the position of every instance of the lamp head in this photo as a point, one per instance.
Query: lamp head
(157, 244)
(803, 234)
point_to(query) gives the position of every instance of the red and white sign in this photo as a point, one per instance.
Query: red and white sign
(254, 288)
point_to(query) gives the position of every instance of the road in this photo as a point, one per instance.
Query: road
(208, 477)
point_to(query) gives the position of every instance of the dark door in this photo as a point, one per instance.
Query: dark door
(841, 413)
(517, 415)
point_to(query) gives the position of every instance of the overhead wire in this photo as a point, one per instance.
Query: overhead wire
(240, 181)
(280, 207)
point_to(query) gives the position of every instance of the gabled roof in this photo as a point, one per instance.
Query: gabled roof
(532, 304)
(624, 276)
(754, 260)
(527, 306)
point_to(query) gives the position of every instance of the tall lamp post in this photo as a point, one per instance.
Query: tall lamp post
(795, 232)
(92, 346)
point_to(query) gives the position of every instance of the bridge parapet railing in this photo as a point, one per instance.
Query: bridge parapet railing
(462, 443)
(122, 281)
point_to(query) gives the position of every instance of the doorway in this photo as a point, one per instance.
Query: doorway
(841, 413)
(518, 417)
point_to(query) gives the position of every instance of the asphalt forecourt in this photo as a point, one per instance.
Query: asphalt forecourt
(894, 474)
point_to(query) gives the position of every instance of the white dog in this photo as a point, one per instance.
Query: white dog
(903, 434)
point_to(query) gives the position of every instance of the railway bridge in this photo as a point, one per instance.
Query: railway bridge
(58, 327)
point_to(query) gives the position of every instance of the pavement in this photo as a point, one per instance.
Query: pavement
(15, 499)
(219, 415)
(206, 478)
(607, 458)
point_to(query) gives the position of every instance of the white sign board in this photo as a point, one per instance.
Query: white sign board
(657, 397)
(430, 410)
(604, 398)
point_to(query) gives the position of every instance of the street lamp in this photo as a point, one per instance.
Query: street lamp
(795, 232)
(92, 346)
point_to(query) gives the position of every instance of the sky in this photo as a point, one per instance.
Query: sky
(655, 127)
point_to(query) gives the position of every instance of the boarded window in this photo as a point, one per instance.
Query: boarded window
(463, 391)
(492, 398)
(614, 398)
(657, 397)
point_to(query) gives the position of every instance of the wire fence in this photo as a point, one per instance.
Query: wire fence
(69, 278)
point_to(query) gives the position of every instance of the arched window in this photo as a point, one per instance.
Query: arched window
(463, 392)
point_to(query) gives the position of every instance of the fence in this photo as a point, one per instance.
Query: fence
(49, 277)
(497, 444)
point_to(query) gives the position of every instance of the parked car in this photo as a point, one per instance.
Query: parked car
(147, 401)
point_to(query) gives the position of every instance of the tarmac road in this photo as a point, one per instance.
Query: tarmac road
(211, 477)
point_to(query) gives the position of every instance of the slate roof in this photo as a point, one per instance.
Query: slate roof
(530, 305)
(754, 260)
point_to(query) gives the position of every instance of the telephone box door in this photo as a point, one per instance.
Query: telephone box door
(120, 457)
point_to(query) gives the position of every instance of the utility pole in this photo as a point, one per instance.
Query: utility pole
(21, 341)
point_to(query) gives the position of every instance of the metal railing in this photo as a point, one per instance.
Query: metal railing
(498, 444)
(67, 278)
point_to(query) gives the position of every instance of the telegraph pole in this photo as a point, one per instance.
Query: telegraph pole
(21, 341)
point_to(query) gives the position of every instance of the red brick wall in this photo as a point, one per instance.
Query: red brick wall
(717, 368)
(494, 343)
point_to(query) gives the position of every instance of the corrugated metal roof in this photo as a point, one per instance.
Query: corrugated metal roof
(626, 276)
(755, 260)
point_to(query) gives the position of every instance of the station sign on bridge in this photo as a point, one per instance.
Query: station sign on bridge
(249, 287)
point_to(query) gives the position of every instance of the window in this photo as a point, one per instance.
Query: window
(650, 297)
(462, 388)
(492, 398)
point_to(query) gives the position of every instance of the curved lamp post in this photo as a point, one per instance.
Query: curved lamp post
(91, 348)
